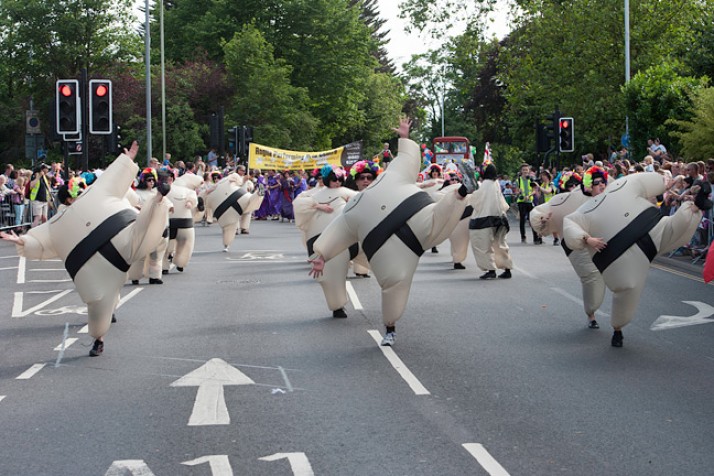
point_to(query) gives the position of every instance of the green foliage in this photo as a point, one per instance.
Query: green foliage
(695, 135)
(652, 97)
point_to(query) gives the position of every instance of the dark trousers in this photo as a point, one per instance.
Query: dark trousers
(524, 209)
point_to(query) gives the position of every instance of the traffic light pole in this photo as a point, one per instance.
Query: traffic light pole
(84, 94)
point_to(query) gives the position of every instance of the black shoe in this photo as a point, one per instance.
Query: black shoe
(134, 282)
(617, 339)
(171, 257)
(459, 266)
(359, 275)
(339, 313)
(505, 275)
(594, 325)
(523, 240)
(164, 271)
(434, 250)
(488, 275)
(180, 270)
(97, 349)
(155, 281)
(556, 242)
(244, 232)
(538, 241)
(114, 319)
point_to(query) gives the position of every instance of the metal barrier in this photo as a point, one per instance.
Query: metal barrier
(8, 218)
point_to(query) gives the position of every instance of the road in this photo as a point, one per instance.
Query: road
(236, 367)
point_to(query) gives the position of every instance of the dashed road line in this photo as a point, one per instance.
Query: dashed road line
(485, 459)
(399, 366)
(29, 373)
(569, 296)
(353, 297)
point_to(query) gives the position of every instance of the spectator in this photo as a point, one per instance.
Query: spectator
(40, 196)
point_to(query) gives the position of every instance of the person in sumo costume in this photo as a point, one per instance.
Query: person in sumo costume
(98, 237)
(229, 202)
(547, 219)
(623, 232)
(146, 191)
(363, 173)
(394, 221)
(182, 235)
(313, 213)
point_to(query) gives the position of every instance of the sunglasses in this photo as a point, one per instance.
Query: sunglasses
(365, 176)
(598, 182)
(149, 180)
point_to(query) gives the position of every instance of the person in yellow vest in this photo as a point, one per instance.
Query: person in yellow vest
(98, 238)
(40, 195)
(525, 189)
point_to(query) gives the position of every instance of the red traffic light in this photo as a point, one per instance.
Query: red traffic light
(564, 124)
(65, 90)
(101, 90)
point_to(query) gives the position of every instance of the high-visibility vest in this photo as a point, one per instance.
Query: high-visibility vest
(526, 195)
(36, 188)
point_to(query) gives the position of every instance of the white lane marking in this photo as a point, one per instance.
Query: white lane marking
(29, 373)
(8, 257)
(63, 345)
(133, 293)
(18, 303)
(135, 467)
(66, 343)
(288, 385)
(2, 397)
(703, 316)
(50, 280)
(209, 408)
(40, 270)
(399, 366)
(299, 464)
(486, 461)
(353, 297)
(567, 295)
(83, 330)
(219, 464)
(21, 270)
(523, 271)
(12, 267)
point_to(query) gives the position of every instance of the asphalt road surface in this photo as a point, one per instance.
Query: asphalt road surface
(236, 367)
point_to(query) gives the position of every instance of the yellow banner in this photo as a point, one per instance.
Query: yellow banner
(268, 158)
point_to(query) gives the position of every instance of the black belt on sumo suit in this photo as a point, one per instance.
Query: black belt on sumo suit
(396, 224)
(354, 249)
(176, 223)
(231, 201)
(99, 241)
(637, 232)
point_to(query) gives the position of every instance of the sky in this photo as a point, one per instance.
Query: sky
(401, 45)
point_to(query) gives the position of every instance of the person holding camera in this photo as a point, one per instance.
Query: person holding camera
(525, 189)
(40, 195)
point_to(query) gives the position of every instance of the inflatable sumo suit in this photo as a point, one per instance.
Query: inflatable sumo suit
(488, 226)
(229, 202)
(394, 221)
(547, 219)
(98, 237)
(182, 235)
(313, 222)
(150, 266)
(245, 219)
(635, 233)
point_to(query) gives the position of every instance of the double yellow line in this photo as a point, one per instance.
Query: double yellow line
(698, 279)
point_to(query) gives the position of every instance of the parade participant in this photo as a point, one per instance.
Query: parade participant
(459, 238)
(633, 233)
(246, 183)
(98, 237)
(363, 173)
(394, 221)
(525, 188)
(312, 215)
(229, 202)
(432, 185)
(151, 265)
(208, 187)
(488, 227)
(548, 218)
(182, 235)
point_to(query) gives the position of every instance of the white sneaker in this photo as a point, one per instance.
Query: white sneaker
(225, 250)
(388, 339)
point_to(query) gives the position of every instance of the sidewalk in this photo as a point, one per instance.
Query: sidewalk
(682, 263)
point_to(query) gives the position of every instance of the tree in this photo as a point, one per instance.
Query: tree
(695, 135)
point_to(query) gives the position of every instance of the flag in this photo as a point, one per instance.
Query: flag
(487, 154)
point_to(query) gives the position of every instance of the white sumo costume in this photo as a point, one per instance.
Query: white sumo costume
(547, 219)
(635, 232)
(394, 221)
(98, 237)
(488, 227)
(149, 266)
(229, 202)
(182, 235)
(312, 222)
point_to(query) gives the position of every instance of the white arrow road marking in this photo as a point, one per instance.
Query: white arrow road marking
(705, 311)
(21, 270)
(135, 467)
(18, 302)
(486, 461)
(210, 405)
(353, 297)
(399, 366)
(2, 397)
(299, 463)
(219, 464)
(27, 374)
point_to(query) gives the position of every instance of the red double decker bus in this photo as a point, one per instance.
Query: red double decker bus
(452, 148)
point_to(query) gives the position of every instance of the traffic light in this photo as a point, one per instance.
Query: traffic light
(566, 134)
(114, 144)
(100, 106)
(68, 107)
(552, 124)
